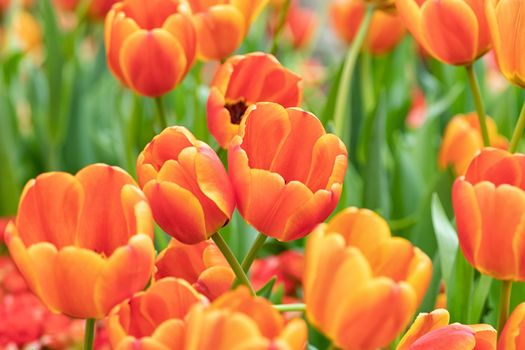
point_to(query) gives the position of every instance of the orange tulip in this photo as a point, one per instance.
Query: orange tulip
(97, 8)
(362, 286)
(186, 184)
(511, 338)
(432, 331)
(462, 141)
(153, 319)
(453, 31)
(489, 204)
(385, 32)
(222, 25)
(202, 265)
(235, 87)
(150, 45)
(238, 321)
(508, 35)
(26, 31)
(299, 26)
(286, 171)
(83, 242)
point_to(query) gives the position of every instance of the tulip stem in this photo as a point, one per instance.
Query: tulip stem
(478, 101)
(518, 131)
(290, 307)
(161, 113)
(280, 26)
(251, 255)
(232, 260)
(504, 303)
(89, 334)
(343, 90)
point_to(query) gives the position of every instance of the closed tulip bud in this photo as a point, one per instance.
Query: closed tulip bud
(222, 25)
(287, 173)
(83, 242)
(150, 45)
(452, 31)
(235, 87)
(508, 36)
(362, 286)
(238, 321)
(186, 184)
(462, 141)
(202, 265)
(154, 319)
(432, 331)
(489, 204)
(511, 338)
(385, 32)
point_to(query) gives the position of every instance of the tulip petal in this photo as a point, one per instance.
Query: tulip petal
(181, 27)
(468, 219)
(220, 31)
(329, 162)
(170, 334)
(48, 210)
(152, 62)
(424, 323)
(451, 337)
(167, 198)
(127, 271)
(450, 28)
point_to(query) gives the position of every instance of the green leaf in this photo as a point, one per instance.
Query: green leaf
(446, 236)
(266, 290)
(479, 298)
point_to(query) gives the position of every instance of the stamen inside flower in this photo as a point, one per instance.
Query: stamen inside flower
(236, 110)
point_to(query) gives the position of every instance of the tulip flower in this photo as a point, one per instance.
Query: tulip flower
(511, 338)
(154, 319)
(83, 243)
(235, 88)
(385, 32)
(299, 26)
(238, 321)
(222, 25)
(186, 184)
(508, 32)
(462, 141)
(286, 171)
(97, 9)
(201, 264)
(489, 204)
(432, 331)
(287, 267)
(453, 31)
(362, 286)
(150, 45)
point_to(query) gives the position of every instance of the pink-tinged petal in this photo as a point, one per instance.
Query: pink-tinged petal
(451, 337)
(450, 28)
(152, 62)
(130, 343)
(166, 199)
(424, 323)
(486, 336)
(127, 271)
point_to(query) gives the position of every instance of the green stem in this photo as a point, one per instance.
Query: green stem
(280, 26)
(504, 303)
(518, 131)
(290, 307)
(348, 70)
(89, 335)
(161, 113)
(478, 101)
(251, 255)
(234, 264)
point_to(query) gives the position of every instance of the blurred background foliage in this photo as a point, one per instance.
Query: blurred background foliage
(61, 109)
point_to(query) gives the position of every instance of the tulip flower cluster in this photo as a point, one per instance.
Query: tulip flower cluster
(264, 197)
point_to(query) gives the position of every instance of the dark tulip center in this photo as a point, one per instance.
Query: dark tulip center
(236, 110)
